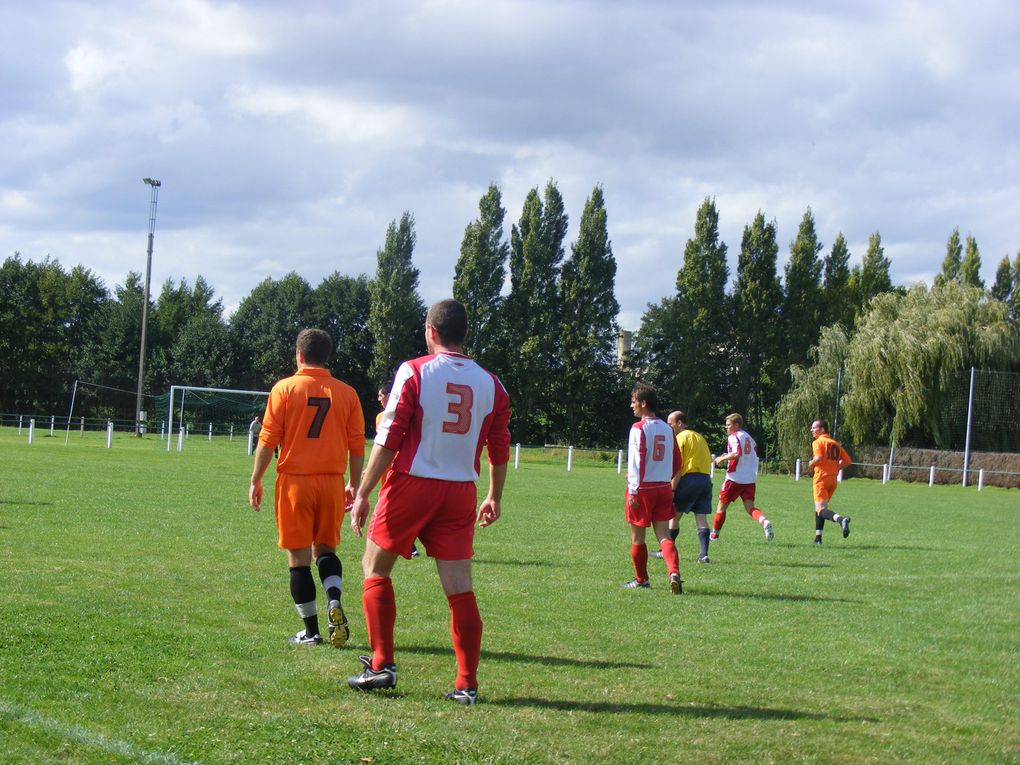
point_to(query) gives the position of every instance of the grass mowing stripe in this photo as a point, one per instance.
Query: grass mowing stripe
(87, 737)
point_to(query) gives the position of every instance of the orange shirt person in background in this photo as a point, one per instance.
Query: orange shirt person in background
(829, 457)
(318, 425)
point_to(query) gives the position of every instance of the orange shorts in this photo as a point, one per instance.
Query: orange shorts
(309, 510)
(439, 513)
(824, 488)
(650, 505)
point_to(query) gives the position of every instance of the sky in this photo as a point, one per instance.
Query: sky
(287, 136)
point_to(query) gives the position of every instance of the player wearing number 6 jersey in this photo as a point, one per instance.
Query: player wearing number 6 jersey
(741, 460)
(652, 461)
(316, 421)
(442, 410)
(828, 458)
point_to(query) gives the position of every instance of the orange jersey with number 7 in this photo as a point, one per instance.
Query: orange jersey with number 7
(316, 420)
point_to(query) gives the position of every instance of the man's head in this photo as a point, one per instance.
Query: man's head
(819, 427)
(315, 346)
(383, 394)
(677, 420)
(734, 422)
(449, 320)
(643, 400)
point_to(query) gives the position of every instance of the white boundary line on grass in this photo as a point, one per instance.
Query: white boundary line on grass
(89, 738)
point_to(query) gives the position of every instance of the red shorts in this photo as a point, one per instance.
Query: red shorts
(731, 491)
(309, 510)
(439, 513)
(649, 505)
(824, 488)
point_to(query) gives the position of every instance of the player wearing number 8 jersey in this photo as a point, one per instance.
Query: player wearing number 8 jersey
(652, 461)
(317, 422)
(741, 460)
(828, 458)
(442, 410)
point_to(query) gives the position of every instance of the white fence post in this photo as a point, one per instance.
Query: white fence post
(517, 456)
(885, 473)
(180, 439)
(109, 434)
(210, 431)
(570, 457)
(931, 476)
(52, 420)
(981, 479)
(796, 470)
(81, 427)
(31, 430)
(230, 440)
(619, 461)
(19, 424)
(251, 439)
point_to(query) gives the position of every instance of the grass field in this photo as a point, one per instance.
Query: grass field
(145, 611)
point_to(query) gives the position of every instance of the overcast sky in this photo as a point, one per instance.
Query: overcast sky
(287, 136)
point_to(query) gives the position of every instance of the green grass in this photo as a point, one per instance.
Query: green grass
(145, 611)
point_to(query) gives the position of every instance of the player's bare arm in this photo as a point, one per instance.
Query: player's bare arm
(354, 470)
(489, 511)
(263, 456)
(378, 462)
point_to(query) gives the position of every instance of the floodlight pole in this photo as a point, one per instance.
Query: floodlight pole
(139, 425)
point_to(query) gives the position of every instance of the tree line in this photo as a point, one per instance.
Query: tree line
(543, 317)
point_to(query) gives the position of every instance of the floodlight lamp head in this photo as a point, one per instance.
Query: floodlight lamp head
(151, 182)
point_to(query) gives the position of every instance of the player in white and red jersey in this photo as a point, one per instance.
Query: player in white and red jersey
(442, 410)
(652, 461)
(741, 460)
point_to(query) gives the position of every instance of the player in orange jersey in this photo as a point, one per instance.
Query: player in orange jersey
(829, 458)
(317, 423)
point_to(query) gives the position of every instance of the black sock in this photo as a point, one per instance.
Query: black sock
(703, 541)
(302, 589)
(827, 515)
(674, 533)
(819, 525)
(331, 572)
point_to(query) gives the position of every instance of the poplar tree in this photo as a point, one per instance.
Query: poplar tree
(397, 313)
(757, 297)
(479, 275)
(970, 267)
(588, 327)
(871, 277)
(1002, 288)
(802, 299)
(838, 304)
(952, 261)
(531, 311)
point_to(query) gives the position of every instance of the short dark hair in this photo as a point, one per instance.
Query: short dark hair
(315, 345)
(449, 318)
(823, 424)
(645, 394)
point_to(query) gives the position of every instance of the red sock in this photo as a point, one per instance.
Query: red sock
(466, 630)
(757, 514)
(670, 555)
(639, 554)
(718, 521)
(380, 614)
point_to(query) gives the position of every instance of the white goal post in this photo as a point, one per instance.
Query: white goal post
(183, 390)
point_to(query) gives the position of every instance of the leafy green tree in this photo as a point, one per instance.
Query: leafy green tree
(1014, 300)
(479, 275)
(531, 313)
(801, 313)
(871, 277)
(757, 297)
(952, 262)
(1002, 289)
(264, 328)
(970, 268)
(396, 316)
(588, 326)
(908, 352)
(176, 307)
(200, 354)
(341, 306)
(838, 305)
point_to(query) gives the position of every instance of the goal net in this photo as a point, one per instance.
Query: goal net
(208, 413)
(96, 407)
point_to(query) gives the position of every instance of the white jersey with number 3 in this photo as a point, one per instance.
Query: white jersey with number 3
(442, 410)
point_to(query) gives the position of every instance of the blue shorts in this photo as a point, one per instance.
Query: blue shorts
(694, 494)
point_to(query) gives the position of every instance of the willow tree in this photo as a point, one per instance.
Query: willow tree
(813, 393)
(909, 351)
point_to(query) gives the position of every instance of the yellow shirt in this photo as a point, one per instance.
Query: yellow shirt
(694, 453)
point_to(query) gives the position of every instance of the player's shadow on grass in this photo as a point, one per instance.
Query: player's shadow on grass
(781, 564)
(522, 563)
(682, 710)
(552, 661)
(26, 502)
(775, 596)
